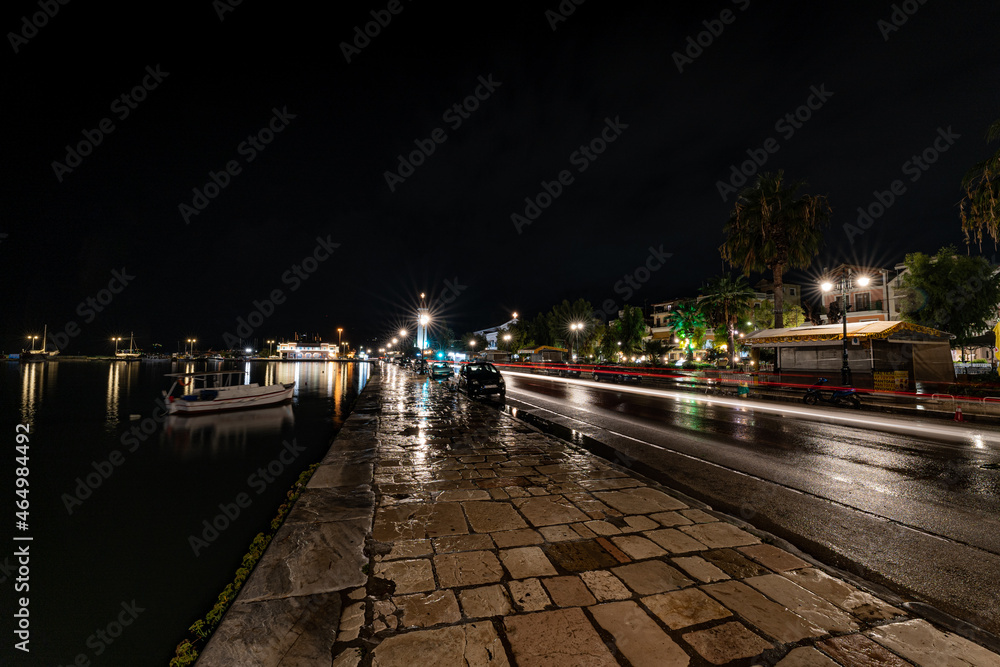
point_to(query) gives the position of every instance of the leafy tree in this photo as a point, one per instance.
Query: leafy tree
(590, 341)
(611, 343)
(771, 228)
(442, 338)
(655, 350)
(950, 292)
(538, 332)
(513, 338)
(726, 303)
(563, 317)
(475, 343)
(793, 316)
(835, 313)
(980, 210)
(632, 329)
(688, 324)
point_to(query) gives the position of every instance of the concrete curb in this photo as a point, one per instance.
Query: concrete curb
(288, 612)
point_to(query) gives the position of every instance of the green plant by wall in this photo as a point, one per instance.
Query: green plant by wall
(202, 629)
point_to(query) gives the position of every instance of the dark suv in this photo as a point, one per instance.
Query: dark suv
(616, 374)
(480, 378)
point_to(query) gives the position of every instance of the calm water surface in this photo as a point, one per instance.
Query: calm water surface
(129, 541)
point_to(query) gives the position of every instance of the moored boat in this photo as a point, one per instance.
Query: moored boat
(33, 355)
(209, 392)
(131, 354)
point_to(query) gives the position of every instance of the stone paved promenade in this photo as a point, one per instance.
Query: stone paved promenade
(492, 544)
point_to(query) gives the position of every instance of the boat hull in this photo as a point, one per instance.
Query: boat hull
(273, 395)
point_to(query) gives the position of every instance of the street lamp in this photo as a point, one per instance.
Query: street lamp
(269, 344)
(844, 282)
(340, 331)
(574, 328)
(192, 341)
(514, 315)
(116, 345)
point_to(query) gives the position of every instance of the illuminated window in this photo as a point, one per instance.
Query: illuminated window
(862, 301)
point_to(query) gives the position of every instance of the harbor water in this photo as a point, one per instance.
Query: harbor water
(137, 520)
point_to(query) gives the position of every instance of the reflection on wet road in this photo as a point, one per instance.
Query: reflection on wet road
(917, 511)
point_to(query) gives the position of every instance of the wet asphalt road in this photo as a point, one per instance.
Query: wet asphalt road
(910, 508)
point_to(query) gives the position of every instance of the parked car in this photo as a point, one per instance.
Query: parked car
(561, 368)
(616, 374)
(479, 378)
(440, 369)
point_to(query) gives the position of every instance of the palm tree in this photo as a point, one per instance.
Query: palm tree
(688, 324)
(771, 228)
(981, 206)
(726, 302)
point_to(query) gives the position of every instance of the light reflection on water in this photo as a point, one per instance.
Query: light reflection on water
(151, 482)
(225, 434)
(34, 379)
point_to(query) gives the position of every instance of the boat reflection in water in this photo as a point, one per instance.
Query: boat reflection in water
(225, 434)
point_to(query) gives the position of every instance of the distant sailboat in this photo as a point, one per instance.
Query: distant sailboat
(131, 353)
(42, 354)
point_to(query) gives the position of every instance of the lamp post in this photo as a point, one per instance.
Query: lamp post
(574, 328)
(844, 283)
(192, 341)
(269, 344)
(116, 345)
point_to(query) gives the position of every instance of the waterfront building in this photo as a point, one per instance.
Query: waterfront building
(307, 351)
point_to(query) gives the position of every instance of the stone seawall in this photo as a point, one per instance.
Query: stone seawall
(289, 609)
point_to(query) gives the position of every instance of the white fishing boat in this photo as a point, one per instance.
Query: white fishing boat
(215, 391)
(131, 353)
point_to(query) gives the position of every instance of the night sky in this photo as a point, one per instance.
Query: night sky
(880, 95)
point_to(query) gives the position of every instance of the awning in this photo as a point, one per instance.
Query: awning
(832, 332)
(540, 349)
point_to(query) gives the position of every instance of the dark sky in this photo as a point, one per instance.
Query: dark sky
(449, 222)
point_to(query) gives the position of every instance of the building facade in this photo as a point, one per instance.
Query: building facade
(308, 351)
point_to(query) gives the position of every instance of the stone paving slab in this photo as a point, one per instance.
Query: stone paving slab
(493, 544)
(289, 612)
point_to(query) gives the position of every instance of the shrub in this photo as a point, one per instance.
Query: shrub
(187, 651)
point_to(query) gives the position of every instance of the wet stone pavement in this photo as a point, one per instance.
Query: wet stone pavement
(493, 544)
